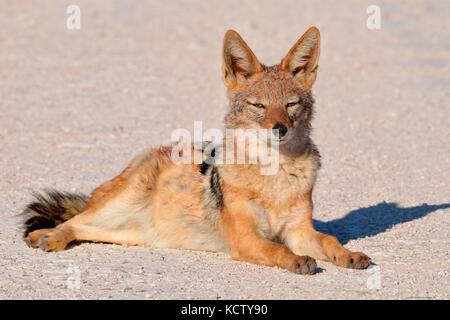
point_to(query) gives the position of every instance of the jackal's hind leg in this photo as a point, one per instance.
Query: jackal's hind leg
(58, 238)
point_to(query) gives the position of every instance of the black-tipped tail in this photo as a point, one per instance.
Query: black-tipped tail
(52, 208)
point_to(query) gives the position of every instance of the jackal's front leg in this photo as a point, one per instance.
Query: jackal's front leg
(301, 237)
(240, 231)
(304, 239)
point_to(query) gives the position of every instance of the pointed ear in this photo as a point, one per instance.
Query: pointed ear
(239, 61)
(303, 58)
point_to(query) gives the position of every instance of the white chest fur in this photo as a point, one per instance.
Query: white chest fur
(294, 176)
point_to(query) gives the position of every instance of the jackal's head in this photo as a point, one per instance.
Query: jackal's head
(276, 97)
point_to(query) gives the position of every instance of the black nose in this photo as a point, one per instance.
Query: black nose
(279, 130)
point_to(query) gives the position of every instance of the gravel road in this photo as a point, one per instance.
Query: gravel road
(77, 105)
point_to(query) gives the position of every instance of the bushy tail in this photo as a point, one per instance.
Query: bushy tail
(52, 208)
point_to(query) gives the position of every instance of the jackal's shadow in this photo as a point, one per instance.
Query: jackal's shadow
(370, 221)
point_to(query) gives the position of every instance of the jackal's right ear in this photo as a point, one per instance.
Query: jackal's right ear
(239, 61)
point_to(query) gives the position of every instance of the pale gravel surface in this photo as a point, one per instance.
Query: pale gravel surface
(76, 106)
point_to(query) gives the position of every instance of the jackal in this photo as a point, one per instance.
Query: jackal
(264, 219)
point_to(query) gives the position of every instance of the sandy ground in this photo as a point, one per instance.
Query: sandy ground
(76, 106)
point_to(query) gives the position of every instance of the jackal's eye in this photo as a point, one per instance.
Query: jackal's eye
(256, 105)
(292, 104)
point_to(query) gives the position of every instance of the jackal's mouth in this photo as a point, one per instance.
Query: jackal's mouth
(281, 140)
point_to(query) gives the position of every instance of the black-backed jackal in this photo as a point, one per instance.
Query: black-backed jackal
(264, 219)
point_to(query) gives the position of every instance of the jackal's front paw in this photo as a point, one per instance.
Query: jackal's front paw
(303, 265)
(353, 260)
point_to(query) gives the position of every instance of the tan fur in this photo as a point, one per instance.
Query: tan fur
(264, 219)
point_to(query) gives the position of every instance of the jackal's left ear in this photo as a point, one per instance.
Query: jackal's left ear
(239, 61)
(303, 58)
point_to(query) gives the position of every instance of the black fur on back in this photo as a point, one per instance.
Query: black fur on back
(52, 208)
(215, 188)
